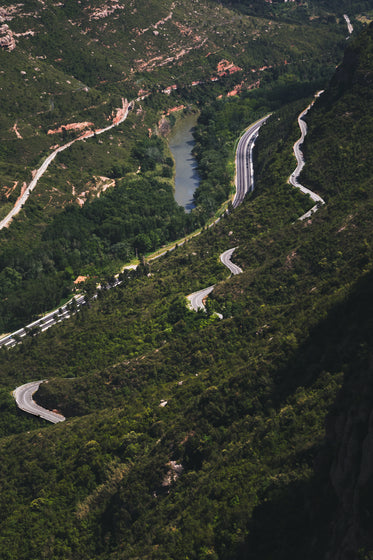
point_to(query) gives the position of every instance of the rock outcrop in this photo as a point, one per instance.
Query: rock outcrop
(7, 40)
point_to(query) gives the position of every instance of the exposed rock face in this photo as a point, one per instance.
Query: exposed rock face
(71, 126)
(7, 40)
(225, 67)
(106, 10)
(7, 13)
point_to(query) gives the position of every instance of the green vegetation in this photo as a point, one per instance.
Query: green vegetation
(75, 63)
(225, 470)
(220, 124)
(138, 215)
(324, 10)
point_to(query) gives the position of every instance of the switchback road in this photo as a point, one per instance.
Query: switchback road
(226, 260)
(244, 183)
(293, 179)
(196, 300)
(23, 396)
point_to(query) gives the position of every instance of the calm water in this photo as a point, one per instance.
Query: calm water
(181, 143)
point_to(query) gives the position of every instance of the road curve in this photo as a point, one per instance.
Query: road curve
(196, 300)
(244, 183)
(244, 162)
(75, 303)
(44, 166)
(226, 260)
(349, 24)
(23, 396)
(293, 179)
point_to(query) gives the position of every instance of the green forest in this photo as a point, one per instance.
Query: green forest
(189, 436)
(70, 228)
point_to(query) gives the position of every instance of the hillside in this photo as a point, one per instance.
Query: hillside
(67, 69)
(236, 464)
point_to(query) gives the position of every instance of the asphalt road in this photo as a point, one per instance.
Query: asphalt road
(226, 260)
(196, 300)
(23, 396)
(349, 24)
(293, 179)
(50, 319)
(44, 322)
(244, 162)
(244, 183)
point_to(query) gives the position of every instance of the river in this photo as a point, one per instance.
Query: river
(181, 143)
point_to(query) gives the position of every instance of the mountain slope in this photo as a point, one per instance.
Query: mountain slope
(67, 69)
(226, 468)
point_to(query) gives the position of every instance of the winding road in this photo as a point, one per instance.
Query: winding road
(293, 179)
(44, 166)
(244, 184)
(226, 260)
(349, 24)
(23, 396)
(196, 300)
(244, 181)
(244, 162)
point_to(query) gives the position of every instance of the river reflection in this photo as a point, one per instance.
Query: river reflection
(181, 143)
